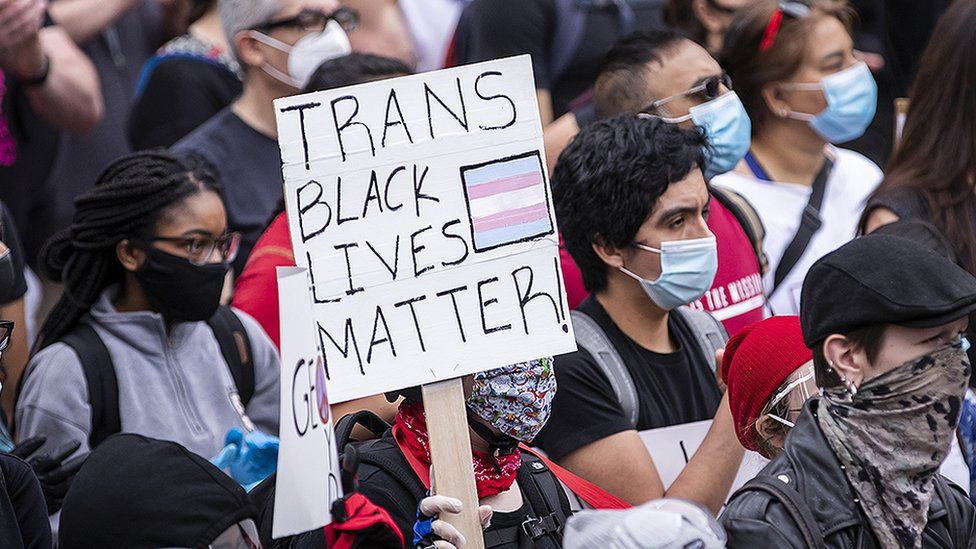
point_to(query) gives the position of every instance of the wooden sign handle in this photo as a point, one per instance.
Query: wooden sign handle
(450, 452)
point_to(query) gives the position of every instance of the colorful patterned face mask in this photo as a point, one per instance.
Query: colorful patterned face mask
(911, 413)
(516, 399)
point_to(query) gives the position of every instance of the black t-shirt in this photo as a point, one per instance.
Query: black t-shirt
(247, 165)
(23, 513)
(180, 95)
(491, 29)
(672, 388)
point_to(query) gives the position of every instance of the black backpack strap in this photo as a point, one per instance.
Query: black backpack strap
(809, 225)
(548, 502)
(235, 346)
(103, 385)
(344, 427)
(384, 454)
(789, 498)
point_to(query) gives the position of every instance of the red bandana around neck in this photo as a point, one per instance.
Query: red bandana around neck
(410, 430)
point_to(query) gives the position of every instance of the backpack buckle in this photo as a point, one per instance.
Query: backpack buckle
(536, 528)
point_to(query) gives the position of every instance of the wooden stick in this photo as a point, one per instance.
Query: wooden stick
(450, 452)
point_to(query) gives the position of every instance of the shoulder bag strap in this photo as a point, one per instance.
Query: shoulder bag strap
(810, 223)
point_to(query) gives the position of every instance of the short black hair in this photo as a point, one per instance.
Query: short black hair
(354, 68)
(621, 85)
(608, 179)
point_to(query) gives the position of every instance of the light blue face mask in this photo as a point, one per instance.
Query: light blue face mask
(728, 129)
(687, 271)
(852, 98)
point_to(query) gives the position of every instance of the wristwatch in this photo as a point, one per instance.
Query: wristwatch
(40, 79)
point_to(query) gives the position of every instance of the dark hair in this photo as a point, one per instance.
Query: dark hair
(868, 339)
(621, 85)
(608, 179)
(199, 8)
(751, 70)
(354, 68)
(680, 14)
(936, 157)
(127, 201)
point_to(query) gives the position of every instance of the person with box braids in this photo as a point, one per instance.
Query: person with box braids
(139, 342)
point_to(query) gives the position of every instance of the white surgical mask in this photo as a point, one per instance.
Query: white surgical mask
(687, 271)
(306, 54)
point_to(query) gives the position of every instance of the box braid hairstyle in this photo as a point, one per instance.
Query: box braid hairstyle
(128, 199)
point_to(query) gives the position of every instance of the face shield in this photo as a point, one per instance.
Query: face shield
(795, 390)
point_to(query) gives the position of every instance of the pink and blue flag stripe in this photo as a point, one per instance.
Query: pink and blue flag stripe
(507, 201)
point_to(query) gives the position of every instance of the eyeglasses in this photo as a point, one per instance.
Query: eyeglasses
(710, 88)
(315, 20)
(200, 248)
(6, 329)
(796, 9)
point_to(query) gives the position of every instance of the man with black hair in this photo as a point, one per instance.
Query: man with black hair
(665, 74)
(632, 206)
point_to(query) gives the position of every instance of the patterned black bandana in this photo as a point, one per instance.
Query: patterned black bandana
(892, 436)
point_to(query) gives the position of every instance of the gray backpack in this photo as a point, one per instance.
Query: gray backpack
(709, 334)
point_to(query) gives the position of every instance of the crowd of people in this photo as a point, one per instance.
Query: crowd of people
(751, 234)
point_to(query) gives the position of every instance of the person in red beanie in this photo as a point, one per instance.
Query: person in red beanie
(769, 373)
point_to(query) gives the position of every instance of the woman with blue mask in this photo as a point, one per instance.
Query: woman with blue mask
(794, 68)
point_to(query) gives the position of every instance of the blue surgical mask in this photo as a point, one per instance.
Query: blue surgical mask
(687, 271)
(852, 98)
(728, 129)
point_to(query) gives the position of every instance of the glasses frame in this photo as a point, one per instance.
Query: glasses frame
(717, 81)
(347, 18)
(218, 242)
(6, 331)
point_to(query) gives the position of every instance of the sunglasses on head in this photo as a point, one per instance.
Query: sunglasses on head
(795, 9)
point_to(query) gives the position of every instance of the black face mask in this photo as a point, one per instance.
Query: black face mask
(178, 289)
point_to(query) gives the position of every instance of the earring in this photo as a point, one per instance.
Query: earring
(849, 385)
(830, 366)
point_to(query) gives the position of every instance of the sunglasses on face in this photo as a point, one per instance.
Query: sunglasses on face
(711, 88)
(200, 248)
(310, 20)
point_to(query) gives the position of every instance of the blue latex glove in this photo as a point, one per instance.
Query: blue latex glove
(248, 458)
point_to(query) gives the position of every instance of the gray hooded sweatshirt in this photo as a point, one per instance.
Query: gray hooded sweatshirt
(172, 386)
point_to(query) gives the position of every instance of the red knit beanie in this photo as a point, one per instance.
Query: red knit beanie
(757, 361)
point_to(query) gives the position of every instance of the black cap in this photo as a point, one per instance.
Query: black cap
(137, 492)
(882, 279)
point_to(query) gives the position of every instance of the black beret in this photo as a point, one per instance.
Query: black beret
(882, 279)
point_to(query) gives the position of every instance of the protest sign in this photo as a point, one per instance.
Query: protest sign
(421, 208)
(672, 448)
(308, 478)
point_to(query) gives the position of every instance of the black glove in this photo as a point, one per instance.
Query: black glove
(54, 473)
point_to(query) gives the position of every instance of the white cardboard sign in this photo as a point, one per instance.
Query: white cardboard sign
(308, 465)
(421, 208)
(672, 448)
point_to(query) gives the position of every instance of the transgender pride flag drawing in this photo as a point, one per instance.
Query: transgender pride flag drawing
(507, 201)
